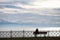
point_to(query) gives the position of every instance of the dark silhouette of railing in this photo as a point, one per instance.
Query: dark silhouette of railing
(11, 34)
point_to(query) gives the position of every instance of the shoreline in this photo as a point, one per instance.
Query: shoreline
(29, 28)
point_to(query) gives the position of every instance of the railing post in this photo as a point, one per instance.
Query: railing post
(23, 33)
(48, 33)
(11, 33)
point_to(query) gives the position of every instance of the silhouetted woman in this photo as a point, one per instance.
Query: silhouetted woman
(36, 32)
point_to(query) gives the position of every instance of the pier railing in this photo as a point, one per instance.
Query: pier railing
(12, 34)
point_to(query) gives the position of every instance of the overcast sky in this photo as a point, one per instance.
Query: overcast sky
(42, 13)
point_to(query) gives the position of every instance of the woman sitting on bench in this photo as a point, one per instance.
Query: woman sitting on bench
(37, 32)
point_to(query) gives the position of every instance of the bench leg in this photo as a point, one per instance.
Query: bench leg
(35, 35)
(44, 35)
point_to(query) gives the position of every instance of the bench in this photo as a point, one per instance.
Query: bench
(41, 32)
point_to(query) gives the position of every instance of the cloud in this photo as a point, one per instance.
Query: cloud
(4, 0)
(47, 4)
(29, 18)
(31, 11)
(13, 11)
(18, 7)
(47, 7)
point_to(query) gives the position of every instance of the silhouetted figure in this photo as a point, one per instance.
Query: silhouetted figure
(36, 32)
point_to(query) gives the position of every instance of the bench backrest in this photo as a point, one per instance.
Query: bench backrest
(40, 32)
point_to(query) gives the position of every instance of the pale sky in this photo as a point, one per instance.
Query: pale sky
(31, 6)
(43, 13)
